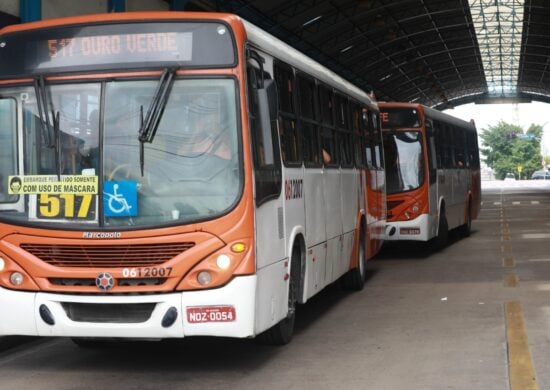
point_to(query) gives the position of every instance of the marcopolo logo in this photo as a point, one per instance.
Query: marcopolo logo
(101, 235)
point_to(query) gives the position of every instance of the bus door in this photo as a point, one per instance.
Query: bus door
(10, 153)
(376, 186)
(262, 111)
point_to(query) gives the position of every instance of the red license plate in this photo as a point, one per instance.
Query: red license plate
(201, 314)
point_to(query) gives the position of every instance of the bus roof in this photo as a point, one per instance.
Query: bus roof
(256, 36)
(277, 48)
(119, 17)
(431, 113)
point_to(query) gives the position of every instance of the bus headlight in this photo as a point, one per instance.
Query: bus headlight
(223, 261)
(16, 278)
(204, 278)
(220, 267)
(13, 276)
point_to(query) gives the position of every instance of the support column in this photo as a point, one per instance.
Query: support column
(30, 10)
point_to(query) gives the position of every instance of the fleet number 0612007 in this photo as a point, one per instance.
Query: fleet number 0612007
(147, 272)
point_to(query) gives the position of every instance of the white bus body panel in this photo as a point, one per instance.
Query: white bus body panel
(426, 223)
(314, 196)
(20, 313)
(452, 188)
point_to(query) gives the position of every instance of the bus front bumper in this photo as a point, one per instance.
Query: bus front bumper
(226, 311)
(418, 229)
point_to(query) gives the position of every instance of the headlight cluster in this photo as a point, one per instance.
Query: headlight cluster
(412, 211)
(13, 276)
(217, 269)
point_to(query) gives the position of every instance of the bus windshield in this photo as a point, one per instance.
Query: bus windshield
(83, 166)
(404, 161)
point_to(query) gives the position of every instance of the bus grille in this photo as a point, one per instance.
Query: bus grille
(109, 313)
(91, 282)
(106, 256)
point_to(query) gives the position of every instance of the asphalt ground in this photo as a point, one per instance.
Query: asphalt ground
(475, 315)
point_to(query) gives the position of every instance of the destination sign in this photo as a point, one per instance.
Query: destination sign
(170, 44)
(400, 118)
(117, 46)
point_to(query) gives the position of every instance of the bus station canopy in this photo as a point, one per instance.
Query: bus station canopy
(441, 53)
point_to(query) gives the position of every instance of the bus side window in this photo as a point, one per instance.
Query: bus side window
(473, 153)
(309, 126)
(343, 130)
(459, 146)
(377, 140)
(368, 133)
(328, 134)
(262, 112)
(284, 77)
(358, 131)
(432, 159)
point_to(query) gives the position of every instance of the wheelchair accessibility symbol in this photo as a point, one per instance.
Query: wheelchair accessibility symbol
(120, 198)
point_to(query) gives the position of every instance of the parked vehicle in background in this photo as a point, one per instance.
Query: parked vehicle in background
(540, 175)
(432, 172)
(509, 177)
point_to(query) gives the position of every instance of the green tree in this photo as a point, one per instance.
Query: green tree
(506, 146)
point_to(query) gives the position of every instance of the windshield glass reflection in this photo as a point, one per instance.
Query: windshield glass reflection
(404, 161)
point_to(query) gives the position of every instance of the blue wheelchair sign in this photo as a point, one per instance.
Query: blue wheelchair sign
(120, 198)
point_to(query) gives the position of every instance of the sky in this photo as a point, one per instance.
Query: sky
(523, 114)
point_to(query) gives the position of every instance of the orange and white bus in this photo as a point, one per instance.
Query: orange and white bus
(162, 176)
(432, 173)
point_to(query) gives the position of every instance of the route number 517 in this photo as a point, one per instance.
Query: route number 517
(70, 206)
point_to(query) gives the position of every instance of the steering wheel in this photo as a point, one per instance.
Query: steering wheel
(143, 183)
(127, 168)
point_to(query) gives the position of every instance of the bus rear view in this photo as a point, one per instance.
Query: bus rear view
(432, 173)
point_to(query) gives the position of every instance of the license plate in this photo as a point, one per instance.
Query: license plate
(202, 314)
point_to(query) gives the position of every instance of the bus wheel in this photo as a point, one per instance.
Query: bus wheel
(442, 232)
(466, 229)
(355, 278)
(282, 332)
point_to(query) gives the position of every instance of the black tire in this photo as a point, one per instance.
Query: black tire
(466, 229)
(355, 279)
(442, 232)
(282, 332)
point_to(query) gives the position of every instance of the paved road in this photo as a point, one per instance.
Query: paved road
(455, 319)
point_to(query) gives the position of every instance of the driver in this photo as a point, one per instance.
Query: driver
(203, 131)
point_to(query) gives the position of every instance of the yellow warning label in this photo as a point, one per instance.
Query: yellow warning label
(50, 184)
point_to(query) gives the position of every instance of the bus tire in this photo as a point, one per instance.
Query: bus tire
(282, 332)
(442, 231)
(466, 229)
(355, 279)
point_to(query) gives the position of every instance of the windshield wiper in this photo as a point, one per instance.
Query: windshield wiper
(51, 130)
(150, 123)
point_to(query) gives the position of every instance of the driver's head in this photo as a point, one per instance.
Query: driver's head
(202, 117)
